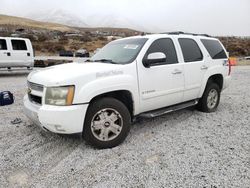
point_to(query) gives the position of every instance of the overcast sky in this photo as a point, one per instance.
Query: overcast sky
(215, 17)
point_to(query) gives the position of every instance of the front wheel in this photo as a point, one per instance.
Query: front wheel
(210, 98)
(107, 123)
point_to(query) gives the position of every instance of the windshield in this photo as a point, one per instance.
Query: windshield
(120, 51)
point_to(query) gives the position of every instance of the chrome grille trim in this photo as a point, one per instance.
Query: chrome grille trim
(36, 87)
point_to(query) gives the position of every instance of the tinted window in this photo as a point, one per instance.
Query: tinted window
(190, 50)
(165, 46)
(3, 45)
(214, 49)
(18, 45)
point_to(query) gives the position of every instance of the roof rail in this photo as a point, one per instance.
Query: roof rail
(184, 33)
(174, 32)
(206, 35)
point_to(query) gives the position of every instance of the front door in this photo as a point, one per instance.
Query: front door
(161, 85)
(4, 53)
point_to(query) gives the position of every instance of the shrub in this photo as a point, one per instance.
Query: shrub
(31, 37)
(102, 38)
(63, 40)
(58, 47)
(85, 38)
(42, 38)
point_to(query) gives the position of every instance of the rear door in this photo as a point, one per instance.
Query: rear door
(195, 67)
(162, 84)
(20, 55)
(217, 54)
(4, 53)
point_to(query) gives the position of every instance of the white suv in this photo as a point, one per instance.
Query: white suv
(137, 76)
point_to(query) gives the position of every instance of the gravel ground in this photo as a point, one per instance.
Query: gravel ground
(181, 149)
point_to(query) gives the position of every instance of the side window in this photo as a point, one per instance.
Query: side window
(18, 45)
(3, 45)
(190, 50)
(165, 46)
(214, 49)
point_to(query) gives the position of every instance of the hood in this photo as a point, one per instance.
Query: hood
(66, 74)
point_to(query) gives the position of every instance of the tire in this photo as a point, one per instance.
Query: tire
(210, 98)
(107, 123)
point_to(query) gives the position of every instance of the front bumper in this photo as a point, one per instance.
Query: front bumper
(57, 119)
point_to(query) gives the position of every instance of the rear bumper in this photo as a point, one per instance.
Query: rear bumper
(57, 119)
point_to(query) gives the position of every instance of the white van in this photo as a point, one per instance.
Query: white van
(16, 52)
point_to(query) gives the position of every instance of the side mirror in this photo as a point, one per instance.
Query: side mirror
(154, 58)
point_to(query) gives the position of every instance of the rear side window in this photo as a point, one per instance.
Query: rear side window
(190, 50)
(165, 46)
(18, 45)
(214, 49)
(3, 45)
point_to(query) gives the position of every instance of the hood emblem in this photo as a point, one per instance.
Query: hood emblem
(109, 73)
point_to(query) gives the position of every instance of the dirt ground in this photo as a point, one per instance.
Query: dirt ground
(186, 148)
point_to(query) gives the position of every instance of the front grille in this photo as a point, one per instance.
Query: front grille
(34, 90)
(36, 87)
(35, 99)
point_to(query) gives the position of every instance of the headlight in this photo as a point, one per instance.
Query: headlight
(60, 96)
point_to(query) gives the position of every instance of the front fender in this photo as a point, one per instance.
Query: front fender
(108, 84)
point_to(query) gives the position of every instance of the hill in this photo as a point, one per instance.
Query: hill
(50, 38)
(6, 20)
(19, 22)
(236, 46)
(58, 16)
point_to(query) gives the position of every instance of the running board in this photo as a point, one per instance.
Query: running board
(169, 109)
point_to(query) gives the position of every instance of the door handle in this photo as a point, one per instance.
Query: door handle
(177, 71)
(204, 67)
(28, 54)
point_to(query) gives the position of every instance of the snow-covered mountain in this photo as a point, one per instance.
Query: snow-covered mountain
(113, 21)
(95, 20)
(58, 16)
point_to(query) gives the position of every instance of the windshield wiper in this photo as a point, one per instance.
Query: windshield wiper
(105, 61)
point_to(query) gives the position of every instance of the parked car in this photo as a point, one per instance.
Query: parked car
(141, 76)
(16, 52)
(82, 53)
(64, 53)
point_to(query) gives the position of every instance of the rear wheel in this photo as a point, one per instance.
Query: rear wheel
(107, 123)
(210, 98)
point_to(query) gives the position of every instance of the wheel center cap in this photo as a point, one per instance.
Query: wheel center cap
(106, 124)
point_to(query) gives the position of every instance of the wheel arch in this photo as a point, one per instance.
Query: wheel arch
(215, 78)
(125, 96)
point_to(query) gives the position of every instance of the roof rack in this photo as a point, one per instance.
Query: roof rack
(184, 33)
